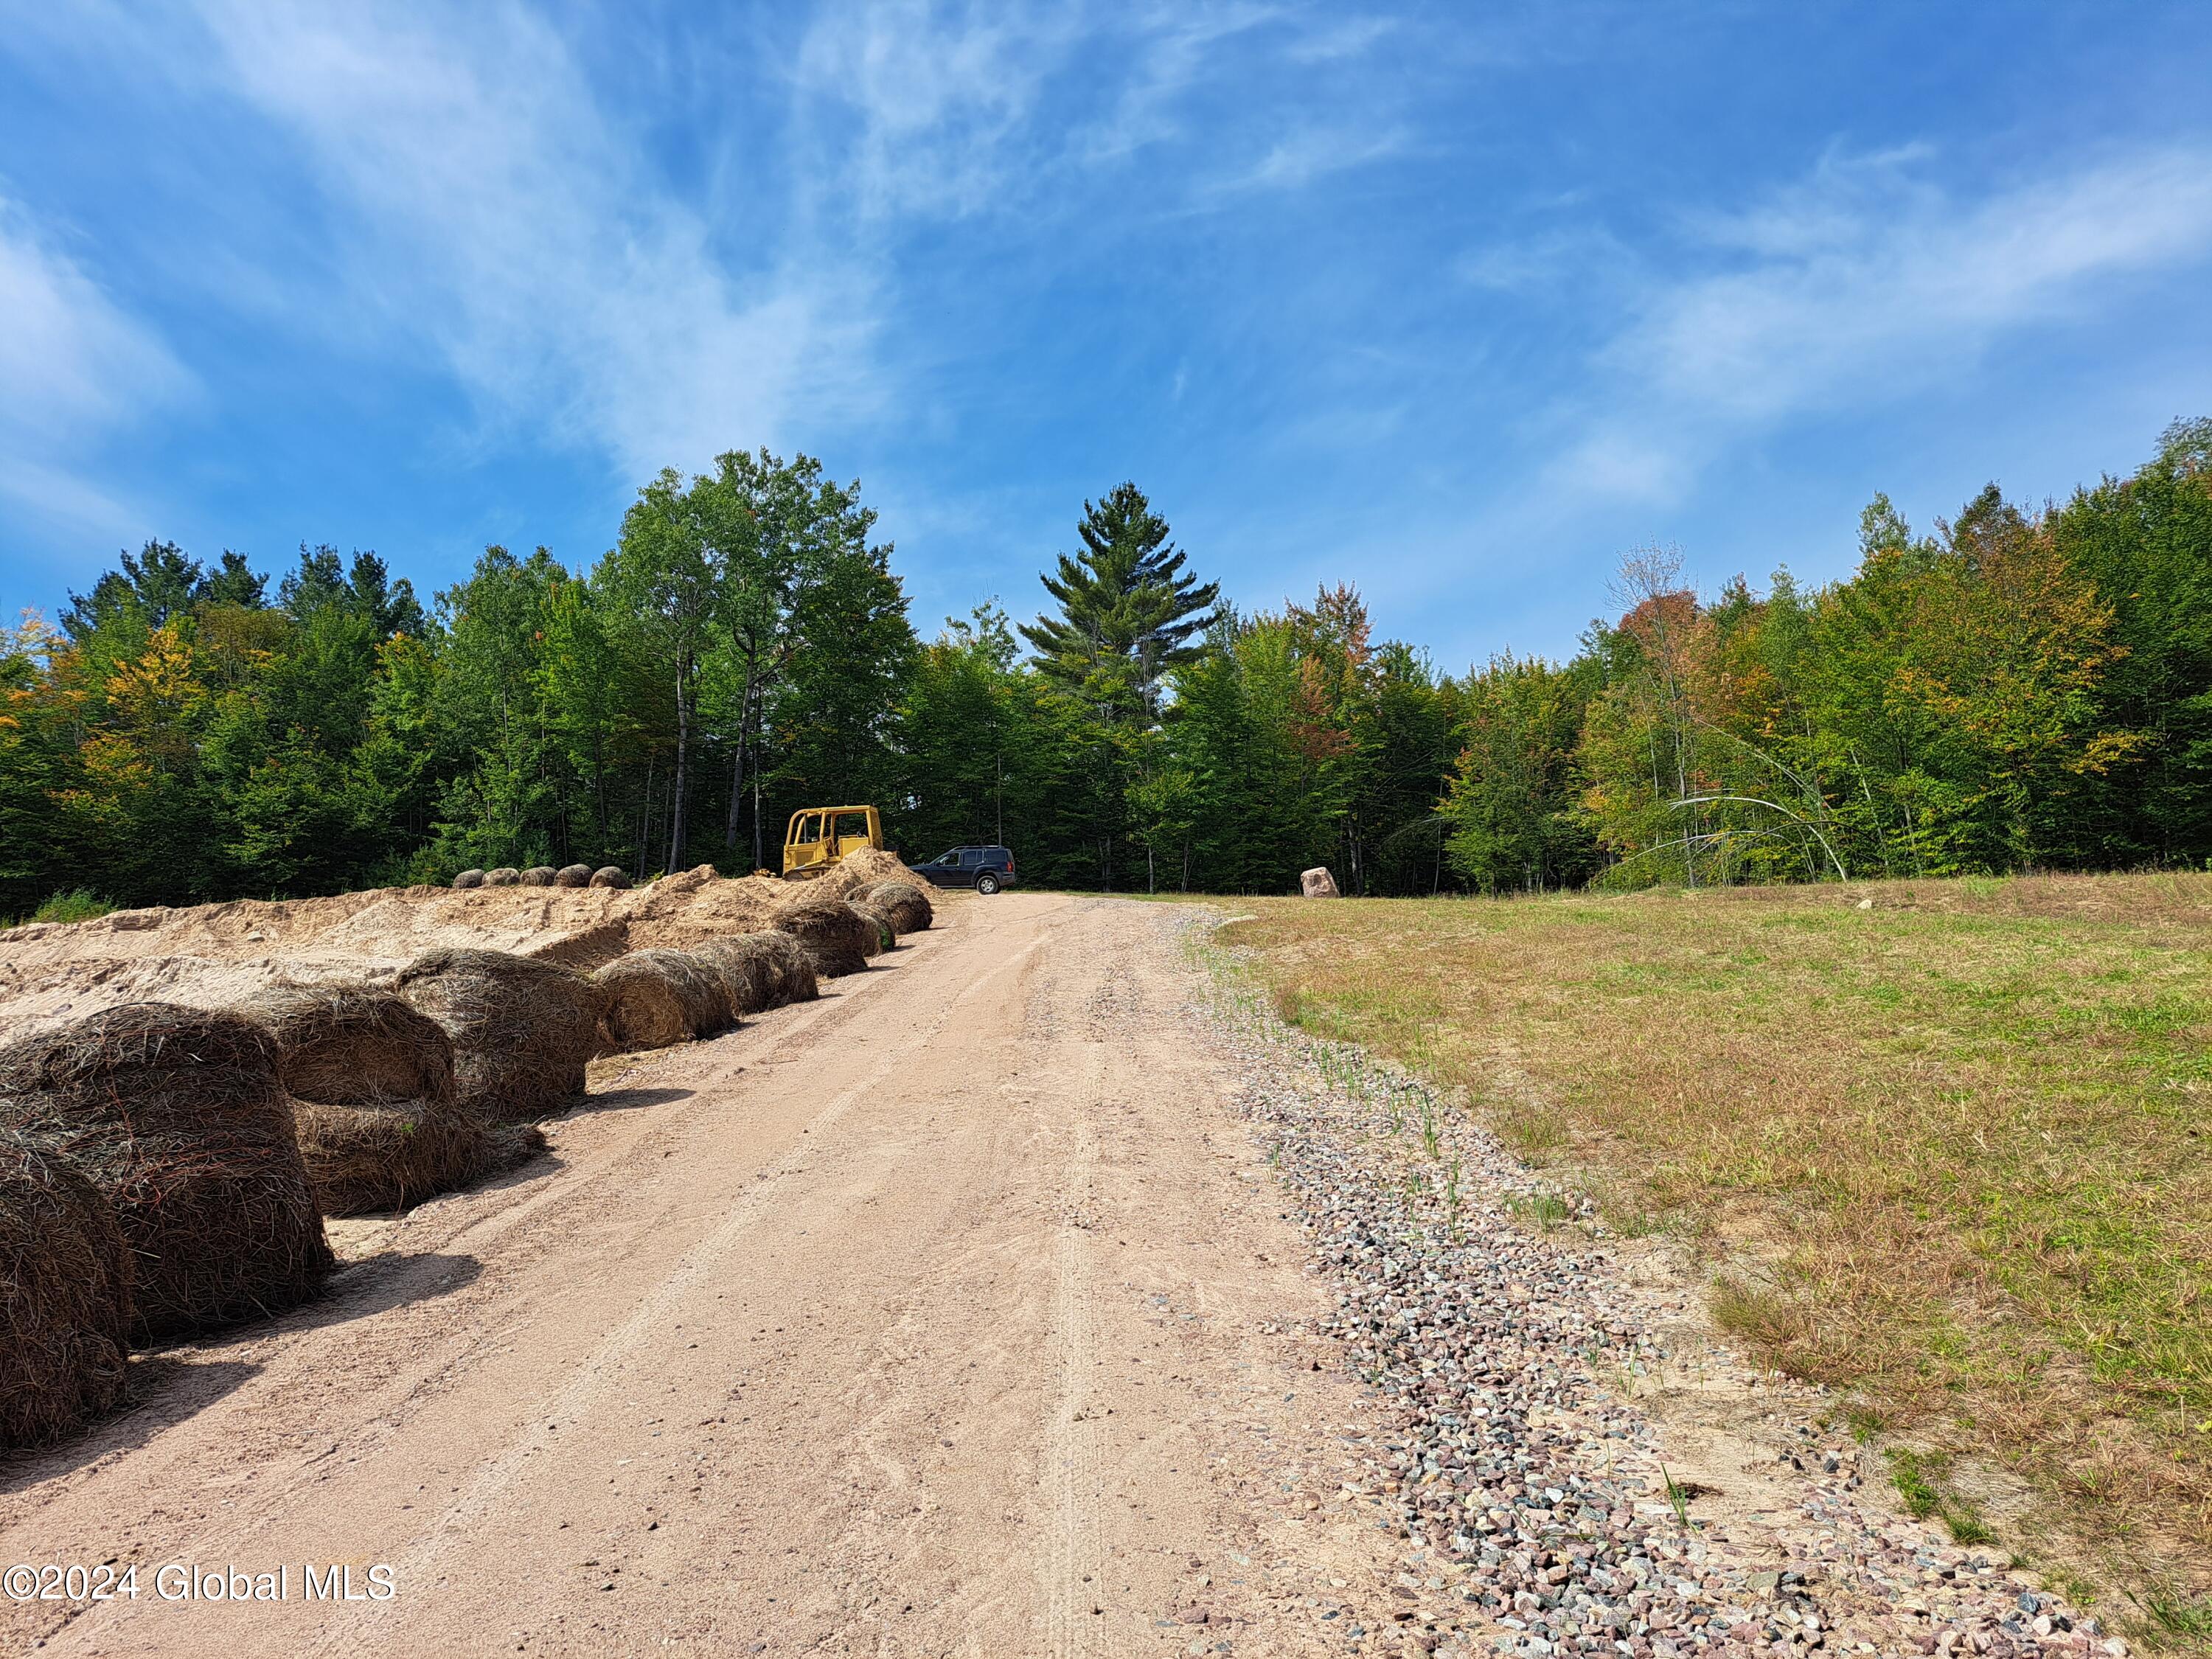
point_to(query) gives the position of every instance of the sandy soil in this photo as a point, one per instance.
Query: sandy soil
(212, 956)
(951, 1314)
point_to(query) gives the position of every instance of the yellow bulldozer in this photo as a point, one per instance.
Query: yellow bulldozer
(819, 837)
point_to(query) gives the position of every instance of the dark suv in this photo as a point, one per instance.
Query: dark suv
(986, 869)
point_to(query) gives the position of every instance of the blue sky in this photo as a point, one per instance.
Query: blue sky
(1456, 303)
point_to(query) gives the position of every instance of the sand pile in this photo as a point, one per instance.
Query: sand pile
(859, 869)
(522, 1029)
(214, 956)
(380, 1127)
(652, 999)
(177, 1116)
(64, 1296)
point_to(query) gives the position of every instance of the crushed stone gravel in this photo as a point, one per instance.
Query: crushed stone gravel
(1490, 1315)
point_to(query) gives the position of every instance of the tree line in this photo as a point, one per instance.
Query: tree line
(2018, 687)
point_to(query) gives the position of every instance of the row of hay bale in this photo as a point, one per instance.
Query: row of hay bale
(165, 1170)
(545, 875)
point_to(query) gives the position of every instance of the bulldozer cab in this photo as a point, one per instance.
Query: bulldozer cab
(821, 835)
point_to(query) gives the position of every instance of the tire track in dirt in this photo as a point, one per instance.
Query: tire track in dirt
(1074, 1562)
(923, 1320)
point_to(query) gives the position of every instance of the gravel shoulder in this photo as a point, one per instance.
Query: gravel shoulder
(1572, 1460)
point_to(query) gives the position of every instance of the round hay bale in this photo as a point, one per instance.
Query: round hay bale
(761, 970)
(886, 935)
(610, 875)
(655, 998)
(523, 1029)
(65, 1316)
(178, 1116)
(469, 878)
(573, 875)
(391, 1155)
(505, 876)
(372, 1083)
(796, 979)
(838, 939)
(538, 875)
(901, 903)
(344, 1045)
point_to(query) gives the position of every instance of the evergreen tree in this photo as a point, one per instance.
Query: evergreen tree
(2020, 690)
(158, 583)
(1128, 609)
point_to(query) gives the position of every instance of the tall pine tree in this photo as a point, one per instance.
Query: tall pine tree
(1128, 609)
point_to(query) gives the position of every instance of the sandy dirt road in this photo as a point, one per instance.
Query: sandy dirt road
(951, 1314)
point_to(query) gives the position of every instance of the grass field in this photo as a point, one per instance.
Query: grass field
(1942, 1144)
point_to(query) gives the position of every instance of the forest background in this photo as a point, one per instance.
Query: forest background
(2021, 688)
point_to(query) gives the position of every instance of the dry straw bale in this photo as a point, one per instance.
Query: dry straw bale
(573, 875)
(761, 970)
(64, 1296)
(390, 1155)
(886, 935)
(177, 1116)
(381, 1127)
(655, 998)
(539, 875)
(522, 1028)
(610, 875)
(838, 938)
(469, 878)
(900, 902)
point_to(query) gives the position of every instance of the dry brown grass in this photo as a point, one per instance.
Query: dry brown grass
(1947, 1153)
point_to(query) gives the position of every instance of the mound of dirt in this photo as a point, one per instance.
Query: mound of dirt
(838, 939)
(178, 1116)
(897, 902)
(65, 1320)
(372, 1083)
(761, 970)
(522, 1031)
(858, 870)
(652, 999)
(214, 956)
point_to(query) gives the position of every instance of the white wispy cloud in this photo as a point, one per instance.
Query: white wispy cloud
(940, 97)
(1306, 153)
(494, 210)
(1864, 284)
(78, 368)
(1176, 45)
(1336, 42)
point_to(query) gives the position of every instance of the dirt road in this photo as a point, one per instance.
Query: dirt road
(938, 1316)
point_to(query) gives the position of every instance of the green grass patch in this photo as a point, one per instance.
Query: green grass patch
(1959, 1139)
(79, 905)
